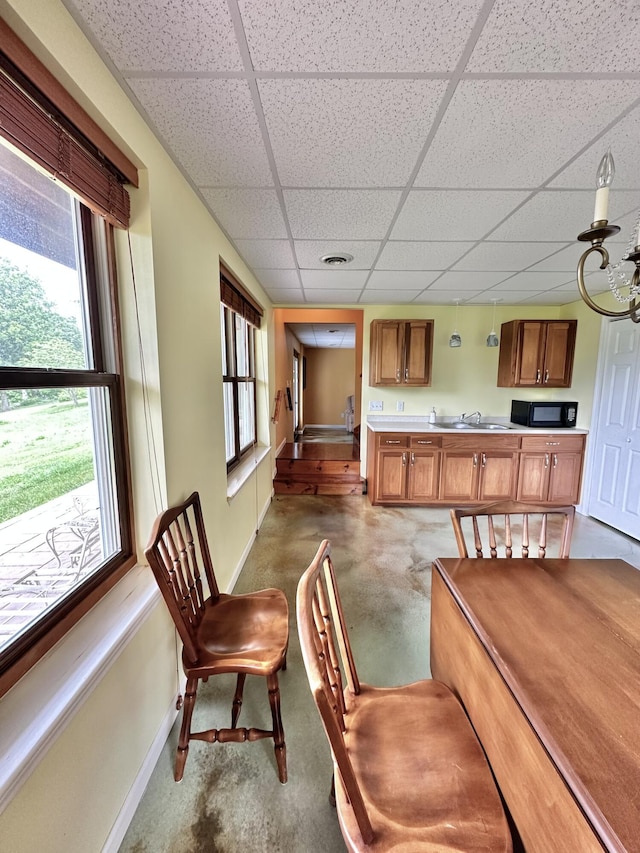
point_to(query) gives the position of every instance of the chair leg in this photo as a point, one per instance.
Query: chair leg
(237, 699)
(278, 732)
(185, 729)
(332, 792)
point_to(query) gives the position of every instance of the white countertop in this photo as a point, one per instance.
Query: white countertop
(417, 423)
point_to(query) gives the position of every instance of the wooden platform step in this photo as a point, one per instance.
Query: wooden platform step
(318, 469)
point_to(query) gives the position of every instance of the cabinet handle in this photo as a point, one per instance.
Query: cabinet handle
(552, 443)
(413, 458)
(404, 460)
(538, 375)
(484, 460)
(392, 441)
(546, 460)
(555, 460)
(398, 375)
(406, 373)
(421, 441)
(546, 376)
(475, 460)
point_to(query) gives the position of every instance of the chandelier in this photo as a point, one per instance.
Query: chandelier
(596, 235)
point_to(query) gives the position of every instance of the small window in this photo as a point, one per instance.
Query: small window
(238, 319)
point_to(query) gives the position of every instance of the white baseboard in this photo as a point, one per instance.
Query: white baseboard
(136, 792)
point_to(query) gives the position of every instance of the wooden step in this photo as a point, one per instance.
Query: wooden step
(293, 487)
(318, 469)
(317, 466)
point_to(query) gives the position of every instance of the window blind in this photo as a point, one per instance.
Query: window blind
(32, 123)
(235, 298)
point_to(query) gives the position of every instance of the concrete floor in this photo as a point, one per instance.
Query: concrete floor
(230, 799)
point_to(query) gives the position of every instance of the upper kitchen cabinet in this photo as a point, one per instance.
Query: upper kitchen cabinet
(401, 352)
(536, 353)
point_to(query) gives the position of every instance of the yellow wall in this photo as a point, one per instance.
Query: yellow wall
(330, 379)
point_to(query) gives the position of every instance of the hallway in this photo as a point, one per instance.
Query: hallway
(230, 799)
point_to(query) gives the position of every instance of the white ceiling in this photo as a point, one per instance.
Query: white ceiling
(450, 146)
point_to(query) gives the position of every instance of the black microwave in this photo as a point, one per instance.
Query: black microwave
(543, 413)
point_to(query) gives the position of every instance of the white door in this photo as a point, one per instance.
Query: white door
(615, 484)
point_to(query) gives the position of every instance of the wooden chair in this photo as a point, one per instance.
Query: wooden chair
(244, 634)
(409, 772)
(501, 518)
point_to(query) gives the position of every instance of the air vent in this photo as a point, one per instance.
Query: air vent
(336, 260)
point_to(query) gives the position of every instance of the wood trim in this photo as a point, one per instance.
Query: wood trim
(17, 51)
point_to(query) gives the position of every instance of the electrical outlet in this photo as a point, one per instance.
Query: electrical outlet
(400, 406)
(375, 405)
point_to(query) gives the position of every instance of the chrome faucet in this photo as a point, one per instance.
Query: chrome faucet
(465, 417)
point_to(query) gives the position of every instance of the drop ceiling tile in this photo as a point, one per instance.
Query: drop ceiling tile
(290, 295)
(335, 279)
(340, 214)
(267, 254)
(387, 36)
(163, 36)
(278, 279)
(416, 255)
(548, 36)
(341, 297)
(551, 297)
(437, 297)
(247, 213)
(463, 281)
(211, 127)
(532, 281)
(622, 139)
(336, 132)
(565, 261)
(517, 133)
(442, 215)
(552, 216)
(410, 280)
(505, 256)
(309, 252)
(391, 297)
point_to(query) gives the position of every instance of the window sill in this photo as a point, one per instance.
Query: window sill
(239, 476)
(38, 708)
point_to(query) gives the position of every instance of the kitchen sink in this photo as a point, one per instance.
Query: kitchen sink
(468, 426)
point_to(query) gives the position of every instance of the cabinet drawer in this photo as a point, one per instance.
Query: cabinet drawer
(425, 441)
(563, 443)
(393, 440)
(478, 442)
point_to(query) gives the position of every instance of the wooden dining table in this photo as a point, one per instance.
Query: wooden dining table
(545, 656)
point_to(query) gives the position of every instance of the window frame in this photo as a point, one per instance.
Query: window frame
(231, 377)
(104, 331)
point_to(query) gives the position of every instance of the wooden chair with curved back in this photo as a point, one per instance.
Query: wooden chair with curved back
(506, 518)
(409, 772)
(244, 634)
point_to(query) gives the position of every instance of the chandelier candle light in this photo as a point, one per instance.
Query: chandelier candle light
(492, 338)
(596, 235)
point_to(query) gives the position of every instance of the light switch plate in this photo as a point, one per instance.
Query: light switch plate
(375, 405)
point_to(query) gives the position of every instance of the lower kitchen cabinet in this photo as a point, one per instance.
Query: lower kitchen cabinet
(478, 469)
(551, 468)
(429, 468)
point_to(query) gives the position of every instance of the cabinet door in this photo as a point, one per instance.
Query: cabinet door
(564, 477)
(424, 470)
(497, 476)
(418, 348)
(533, 479)
(558, 354)
(459, 476)
(391, 479)
(387, 342)
(530, 356)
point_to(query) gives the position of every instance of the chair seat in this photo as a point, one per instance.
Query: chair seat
(242, 633)
(422, 773)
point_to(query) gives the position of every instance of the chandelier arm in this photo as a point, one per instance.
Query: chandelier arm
(633, 308)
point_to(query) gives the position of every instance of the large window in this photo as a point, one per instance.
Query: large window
(65, 525)
(239, 319)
